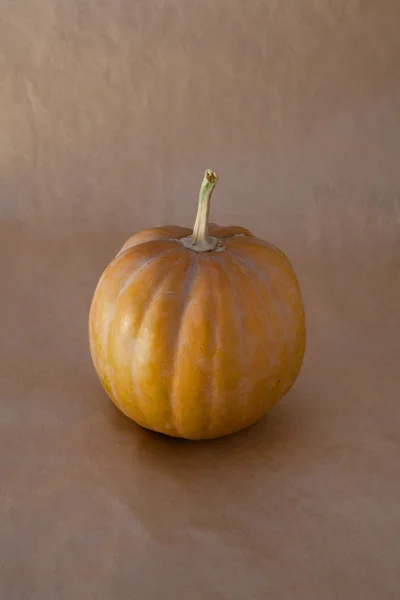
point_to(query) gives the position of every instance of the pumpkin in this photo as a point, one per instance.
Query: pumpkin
(197, 334)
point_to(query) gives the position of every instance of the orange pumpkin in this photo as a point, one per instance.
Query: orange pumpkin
(197, 334)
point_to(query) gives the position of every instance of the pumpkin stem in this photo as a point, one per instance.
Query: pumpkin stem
(200, 241)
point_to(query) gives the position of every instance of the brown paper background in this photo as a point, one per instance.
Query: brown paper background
(110, 110)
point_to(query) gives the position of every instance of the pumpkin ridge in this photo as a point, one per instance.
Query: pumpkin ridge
(126, 285)
(249, 269)
(240, 329)
(147, 308)
(221, 402)
(291, 346)
(97, 293)
(214, 364)
(147, 262)
(211, 379)
(185, 296)
(258, 272)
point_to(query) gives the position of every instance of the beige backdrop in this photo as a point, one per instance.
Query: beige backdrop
(110, 111)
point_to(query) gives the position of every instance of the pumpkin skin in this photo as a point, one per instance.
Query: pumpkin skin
(193, 344)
